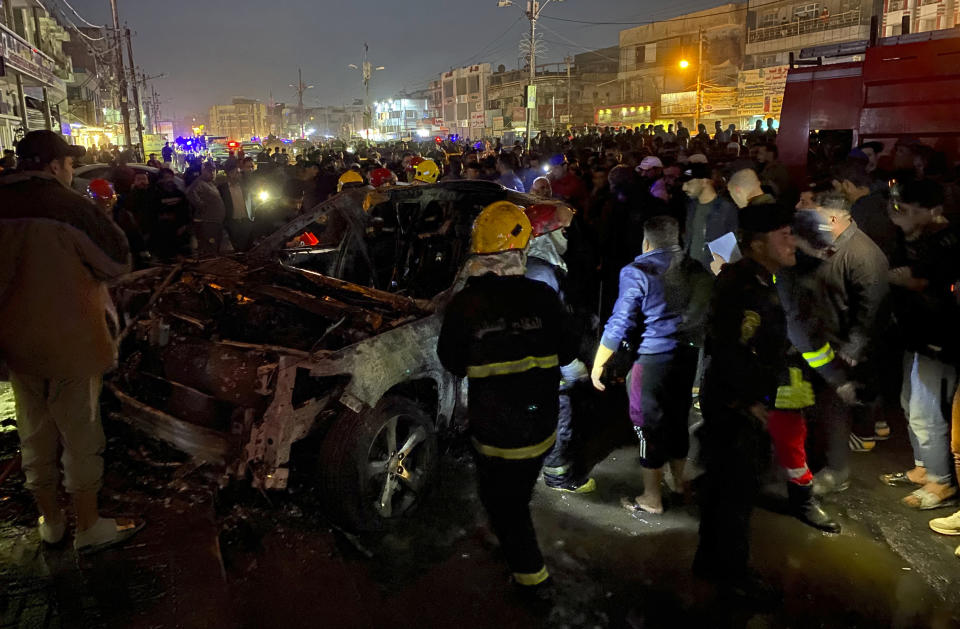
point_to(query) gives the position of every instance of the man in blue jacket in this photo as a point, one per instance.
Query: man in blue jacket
(709, 215)
(664, 297)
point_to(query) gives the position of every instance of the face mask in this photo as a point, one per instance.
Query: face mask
(812, 227)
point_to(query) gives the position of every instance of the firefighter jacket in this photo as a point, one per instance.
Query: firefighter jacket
(798, 289)
(508, 335)
(746, 343)
(665, 295)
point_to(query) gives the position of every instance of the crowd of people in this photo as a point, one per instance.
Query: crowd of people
(697, 257)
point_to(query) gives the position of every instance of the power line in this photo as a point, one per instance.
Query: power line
(82, 19)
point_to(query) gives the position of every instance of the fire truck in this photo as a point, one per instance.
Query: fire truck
(905, 88)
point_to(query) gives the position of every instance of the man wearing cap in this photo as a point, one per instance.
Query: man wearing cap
(747, 383)
(709, 215)
(59, 332)
(566, 185)
(650, 171)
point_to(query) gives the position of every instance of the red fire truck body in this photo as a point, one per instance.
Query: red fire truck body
(906, 87)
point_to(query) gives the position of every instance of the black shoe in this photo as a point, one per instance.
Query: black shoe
(806, 508)
(572, 486)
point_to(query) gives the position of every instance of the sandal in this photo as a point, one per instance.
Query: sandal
(633, 506)
(923, 499)
(899, 479)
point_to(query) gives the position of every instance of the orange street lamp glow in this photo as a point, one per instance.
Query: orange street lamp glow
(684, 64)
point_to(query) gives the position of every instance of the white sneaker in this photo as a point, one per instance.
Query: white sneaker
(104, 533)
(52, 533)
(949, 525)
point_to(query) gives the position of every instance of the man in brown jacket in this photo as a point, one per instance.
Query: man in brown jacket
(58, 332)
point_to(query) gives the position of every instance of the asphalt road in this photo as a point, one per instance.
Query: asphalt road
(216, 556)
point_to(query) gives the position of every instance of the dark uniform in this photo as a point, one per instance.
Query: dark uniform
(508, 335)
(746, 362)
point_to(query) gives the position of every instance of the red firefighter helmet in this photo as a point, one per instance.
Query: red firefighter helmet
(100, 189)
(381, 177)
(412, 164)
(548, 217)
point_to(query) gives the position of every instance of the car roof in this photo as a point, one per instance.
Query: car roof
(88, 167)
(351, 202)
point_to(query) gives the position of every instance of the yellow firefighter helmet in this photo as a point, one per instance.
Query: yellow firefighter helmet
(501, 226)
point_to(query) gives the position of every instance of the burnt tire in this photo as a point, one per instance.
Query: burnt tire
(377, 466)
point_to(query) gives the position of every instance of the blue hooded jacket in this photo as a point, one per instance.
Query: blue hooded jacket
(668, 294)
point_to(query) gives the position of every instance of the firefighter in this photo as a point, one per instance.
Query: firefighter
(350, 179)
(748, 385)
(381, 177)
(508, 336)
(426, 171)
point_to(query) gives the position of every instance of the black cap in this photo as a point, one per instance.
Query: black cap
(39, 148)
(765, 218)
(696, 171)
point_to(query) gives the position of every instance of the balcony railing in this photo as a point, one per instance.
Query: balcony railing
(804, 26)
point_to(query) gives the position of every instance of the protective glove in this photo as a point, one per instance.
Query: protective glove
(796, 395)
(847, 392)
(569, 374)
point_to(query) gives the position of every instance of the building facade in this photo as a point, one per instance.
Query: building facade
(464, 99)
(402, 118)
(33, 91)
(659, 65)
(923, 15)
(243, 119)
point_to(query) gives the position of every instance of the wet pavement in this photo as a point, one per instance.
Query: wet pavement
(215, 556)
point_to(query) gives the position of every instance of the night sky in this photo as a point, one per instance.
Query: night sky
(214, 50)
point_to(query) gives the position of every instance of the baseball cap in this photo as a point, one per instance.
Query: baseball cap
(696, 170)
(765, 218)
(42, 147)
(557, 160)
(649, 162)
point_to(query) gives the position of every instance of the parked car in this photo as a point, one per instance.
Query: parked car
(83, 175)
(326, 329)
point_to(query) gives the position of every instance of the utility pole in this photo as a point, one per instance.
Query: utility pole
(569, 93)
(696, 121)
(533, 10)
(300, 87)
(121, 74)
(366, 69)
(136, 94)
(534, 7)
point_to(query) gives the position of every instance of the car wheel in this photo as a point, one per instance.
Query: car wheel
(376, 466)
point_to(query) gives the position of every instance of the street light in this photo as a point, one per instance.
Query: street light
(534, 7)
(684, 64)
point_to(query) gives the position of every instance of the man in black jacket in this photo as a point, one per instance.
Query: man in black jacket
(869, 207)
(508, 335)
(927, 317)
(239, 206)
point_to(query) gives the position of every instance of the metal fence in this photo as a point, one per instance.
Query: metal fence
(804, 26)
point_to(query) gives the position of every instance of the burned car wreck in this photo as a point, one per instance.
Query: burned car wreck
(327, 329)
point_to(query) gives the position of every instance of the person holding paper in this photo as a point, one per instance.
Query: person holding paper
(709, 215)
